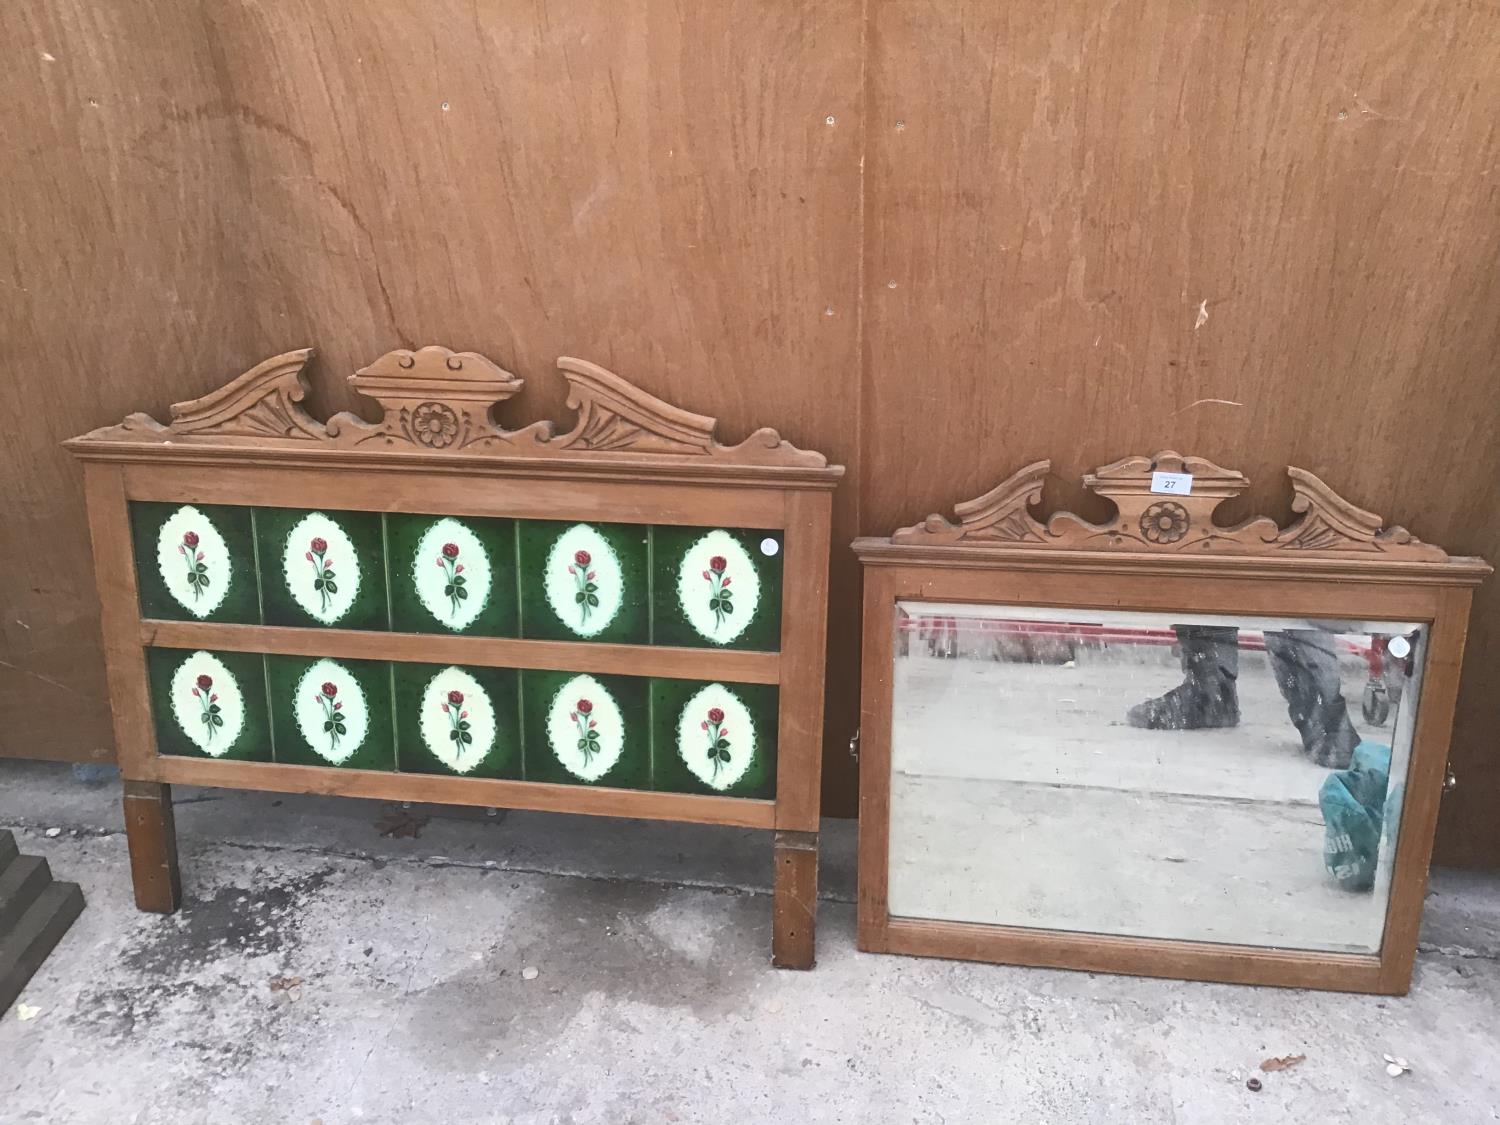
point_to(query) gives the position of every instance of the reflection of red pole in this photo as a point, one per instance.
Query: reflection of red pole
(1375, 656)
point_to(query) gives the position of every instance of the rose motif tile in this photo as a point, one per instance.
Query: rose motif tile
(717, 587)
(452, 575)
(322, 567)
(209, 704)
(195, 562)
(331, 712)
(583, 581)
(460, 721)
(587, 729)
(714, 738)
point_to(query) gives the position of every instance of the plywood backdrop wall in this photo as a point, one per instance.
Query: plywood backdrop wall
(935, 239)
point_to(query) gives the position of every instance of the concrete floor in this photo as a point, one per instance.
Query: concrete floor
(653, 999)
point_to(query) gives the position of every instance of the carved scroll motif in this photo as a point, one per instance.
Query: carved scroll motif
(999, 516)
(437, 401)
(261, 403)
(613, 415)
(1145, 520)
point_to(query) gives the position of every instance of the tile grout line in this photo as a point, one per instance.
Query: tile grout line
(385, 567)
(650, 584)
(390, 618)
(515, 543)
(260, 605)
(651, 639)
(521, 719)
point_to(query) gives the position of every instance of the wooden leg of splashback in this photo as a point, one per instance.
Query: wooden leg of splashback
(153, 846)
(795, 909)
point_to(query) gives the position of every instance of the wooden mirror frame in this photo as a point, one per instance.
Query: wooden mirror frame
(1165, 553)
(630, 458)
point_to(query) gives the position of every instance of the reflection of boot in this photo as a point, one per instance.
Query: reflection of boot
(1306, 668)
(1328, 738)
(1188, 706)
(1208, 697)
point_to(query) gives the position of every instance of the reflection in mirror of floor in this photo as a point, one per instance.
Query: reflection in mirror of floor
(1021, 797)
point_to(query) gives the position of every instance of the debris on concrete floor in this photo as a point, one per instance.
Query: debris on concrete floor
(1282, 1062)
(289, 987)
(400, 822)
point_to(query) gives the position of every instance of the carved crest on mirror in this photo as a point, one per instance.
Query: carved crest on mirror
(1146, 520)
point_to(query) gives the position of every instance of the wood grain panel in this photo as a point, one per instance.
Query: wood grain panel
(122, 276)
(1263, 232)
(652, 186)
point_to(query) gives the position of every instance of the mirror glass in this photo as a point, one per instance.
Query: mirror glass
(1205, 778)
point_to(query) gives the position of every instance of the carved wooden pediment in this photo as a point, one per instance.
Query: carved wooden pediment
(1144, 520)
(432, 398)
(437, 401)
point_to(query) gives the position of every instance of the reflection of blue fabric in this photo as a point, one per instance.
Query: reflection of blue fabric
(1353, 803)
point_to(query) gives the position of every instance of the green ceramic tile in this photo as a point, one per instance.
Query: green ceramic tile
(610, 714)
(331, 712)
(209, 704)
(604, 564)
(452, 575)
(453, 720)
(299, 547)
(714, 738)
(717, 587)
(195, 563)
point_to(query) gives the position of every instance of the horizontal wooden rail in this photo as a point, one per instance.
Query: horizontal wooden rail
(1147, 957)
(483, 792)
(731, 665)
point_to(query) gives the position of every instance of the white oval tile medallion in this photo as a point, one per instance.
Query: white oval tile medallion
(331, 711)
(321, 568)
(585, 728)
(458, 719)
(716, 736)
(584, 580)
(194, 561)
(718, 587)
(452, 573)
(208, 703)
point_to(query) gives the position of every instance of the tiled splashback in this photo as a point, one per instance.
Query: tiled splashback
(555, 580)
(623, 731)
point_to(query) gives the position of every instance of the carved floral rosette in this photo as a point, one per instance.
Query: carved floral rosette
(1146, 521)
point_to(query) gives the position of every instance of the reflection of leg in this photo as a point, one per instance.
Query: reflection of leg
(1306, 666)
(1207, 696)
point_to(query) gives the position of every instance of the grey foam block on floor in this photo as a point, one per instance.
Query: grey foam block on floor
(35, 913)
